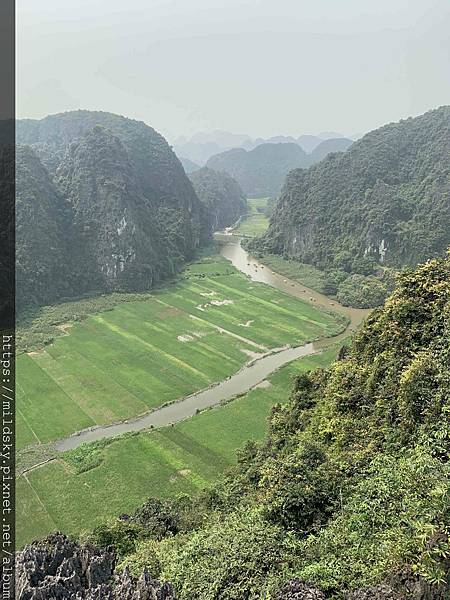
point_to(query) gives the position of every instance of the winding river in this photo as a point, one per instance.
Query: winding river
(249, 376)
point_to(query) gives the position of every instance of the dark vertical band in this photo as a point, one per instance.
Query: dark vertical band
(7, 296)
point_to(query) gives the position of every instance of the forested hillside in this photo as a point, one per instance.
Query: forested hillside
(130, 212)
(386, 198)
(348, 497)
(42, 223)
(261, 171)
(223, 201)
(382, 204)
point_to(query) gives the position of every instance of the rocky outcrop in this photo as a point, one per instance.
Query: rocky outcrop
(405, 587)
(299, 590)
(118, 232)
(57, 568)
(378, 592)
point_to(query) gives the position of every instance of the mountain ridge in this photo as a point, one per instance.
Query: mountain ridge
(100, 165)
(385, 198)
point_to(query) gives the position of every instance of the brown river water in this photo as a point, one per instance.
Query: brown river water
(250, 375)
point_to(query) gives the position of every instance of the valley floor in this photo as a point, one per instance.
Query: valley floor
(255, 222)
(121, 363)
(140, 354)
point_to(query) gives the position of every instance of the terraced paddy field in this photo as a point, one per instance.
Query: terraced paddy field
(141, 354)
(96, 481)
(256, 222)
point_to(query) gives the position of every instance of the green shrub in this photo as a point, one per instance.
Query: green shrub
(381, 524)
(361, 291)
(231, 558)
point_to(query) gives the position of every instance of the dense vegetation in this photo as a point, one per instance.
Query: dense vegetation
(386, 198)
(178, 459)
(42, 223)
(384, 201)
(223, 201)
(351, 486)
(111, 190)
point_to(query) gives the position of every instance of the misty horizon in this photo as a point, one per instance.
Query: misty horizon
(250, 67)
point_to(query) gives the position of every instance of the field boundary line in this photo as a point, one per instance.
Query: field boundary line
(23, 416)
(169, 451)
(275, 306)
(199, 344)
(107, 376)
(29, 426)
(235, 335)
(61, 389)
(37, 465)
(40, 501)
(57, 382)
(173, 359)
(218, 311)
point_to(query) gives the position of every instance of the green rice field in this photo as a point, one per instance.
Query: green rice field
(141, 354)
(101, 480)
(256, 222)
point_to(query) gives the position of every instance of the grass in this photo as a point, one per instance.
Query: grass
(256, 222)
(297, 271)
(111, 477)
(141, 353)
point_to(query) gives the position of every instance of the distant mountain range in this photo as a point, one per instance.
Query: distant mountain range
(261, 171)
(200, 147)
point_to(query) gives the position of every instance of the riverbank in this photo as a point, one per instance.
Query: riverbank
(232, 250)
(115, 366)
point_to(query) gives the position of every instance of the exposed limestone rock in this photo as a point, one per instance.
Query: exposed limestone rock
(299, 590)
(378, 592)
(57, 568)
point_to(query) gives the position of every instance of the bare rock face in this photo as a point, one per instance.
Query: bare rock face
(404, 586)
(57, 568)
(378, 592)
(299, 590)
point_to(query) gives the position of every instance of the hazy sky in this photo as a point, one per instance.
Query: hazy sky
(261, 67)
